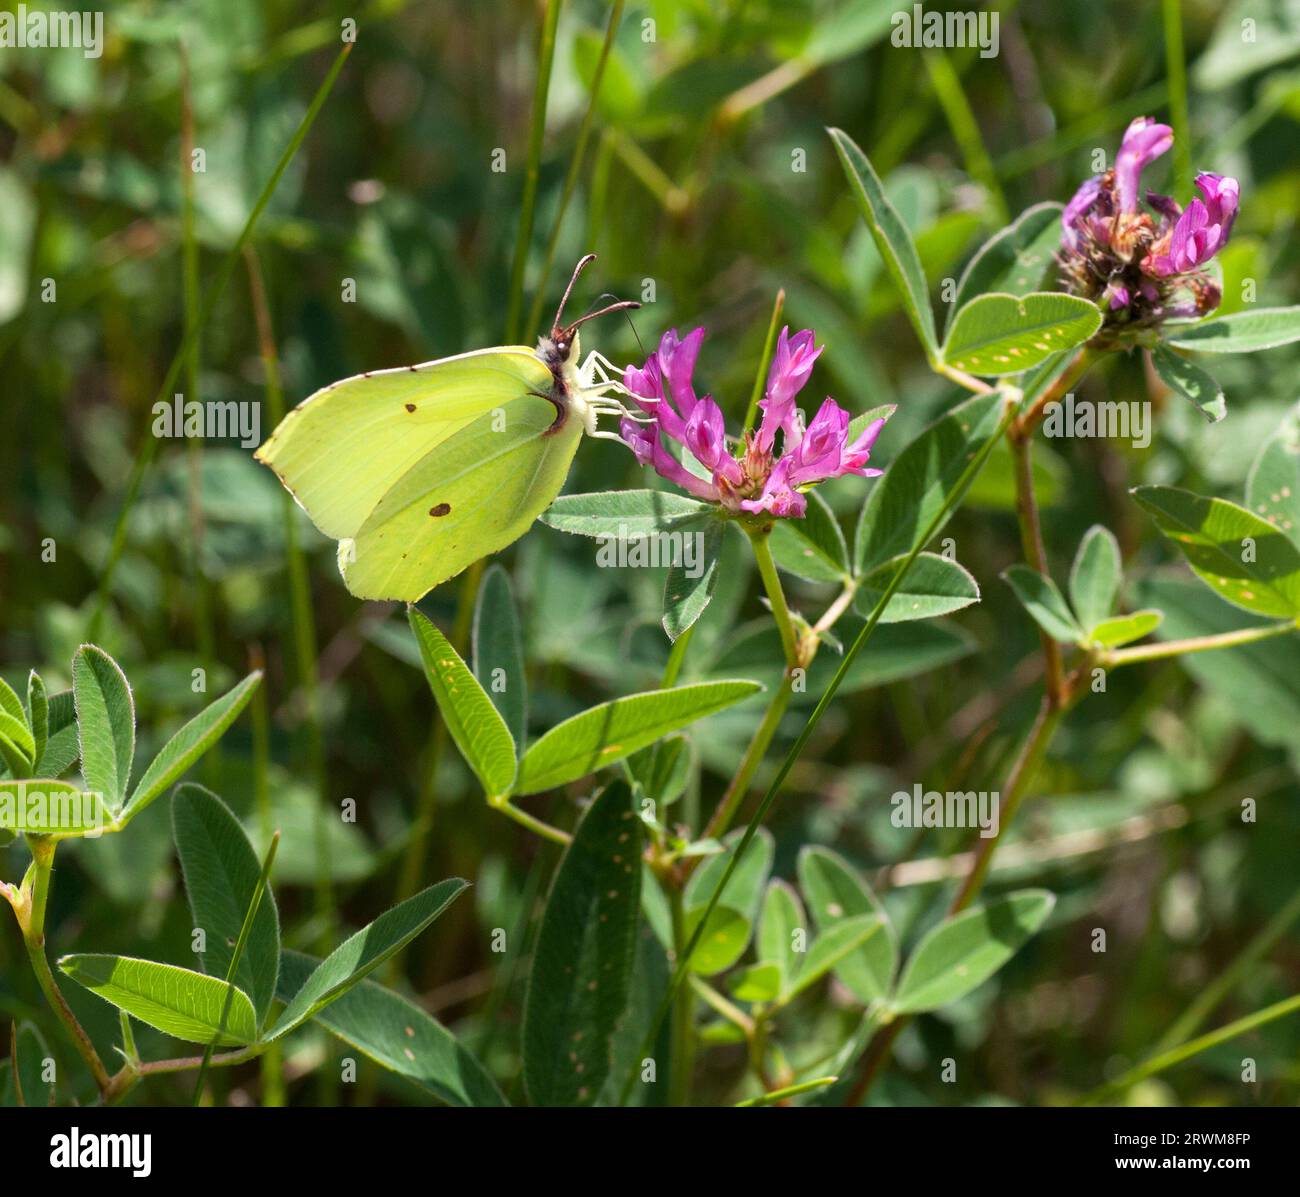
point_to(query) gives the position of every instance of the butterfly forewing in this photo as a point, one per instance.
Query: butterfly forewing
(340, 450)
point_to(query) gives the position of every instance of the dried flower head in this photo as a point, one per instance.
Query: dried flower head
(1144, 266)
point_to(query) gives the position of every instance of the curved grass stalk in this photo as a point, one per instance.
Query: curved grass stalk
(1177, 1055)
(148, 450)
(532, 171)
(575, 165)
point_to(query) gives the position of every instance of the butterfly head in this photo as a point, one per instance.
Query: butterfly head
(561, 347)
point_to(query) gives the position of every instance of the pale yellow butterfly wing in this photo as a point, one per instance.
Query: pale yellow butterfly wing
(342, 448)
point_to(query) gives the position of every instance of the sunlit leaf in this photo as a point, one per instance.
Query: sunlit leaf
(610, 731)
(1191, 382)
(180, 1002)
(1241, 332)
(190, 743)
(105, 723)
(1007, 334)
(1095, 576)
(933, 586)
(474, 722)
(891, 237)
(1239, 555)
(962, 952)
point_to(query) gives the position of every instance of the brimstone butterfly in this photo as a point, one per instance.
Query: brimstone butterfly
(420, 471)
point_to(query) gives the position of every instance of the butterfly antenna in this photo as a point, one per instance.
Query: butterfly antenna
(637, 335)
(603, 295)
(577, 270)
(622, 306)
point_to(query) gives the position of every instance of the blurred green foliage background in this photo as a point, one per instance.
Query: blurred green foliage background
(708, 184)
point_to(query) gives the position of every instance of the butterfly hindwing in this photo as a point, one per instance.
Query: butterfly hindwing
(478, 491)
(341, 449)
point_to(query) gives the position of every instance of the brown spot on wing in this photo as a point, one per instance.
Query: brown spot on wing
(410, 407)
(440, 509)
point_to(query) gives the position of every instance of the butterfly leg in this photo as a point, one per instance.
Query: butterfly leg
(597, 362)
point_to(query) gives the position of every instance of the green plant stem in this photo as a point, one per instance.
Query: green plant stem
(767, 87)
(524, 819)
(676, 655)
(130, 1075)
(1022, 772)
(673, 199)
(1026, 765)
(975, 385)
(841, 604)
(1031, 538)
(1196, 644)
(683, 1025)
(1186, 1051)
(776, 596)
(728, 1009)
(779, 1095)
(129, 1049)
(302, 616)
(598, 191)
(760, 378)
(1020, 439)
(272, 1065)
(575, 163)
(34, 940)
(1208, 999)
(738, 787)
(532, 171)
(147, 451)
(203, 621)
(1025, 423)
(1176, 73)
